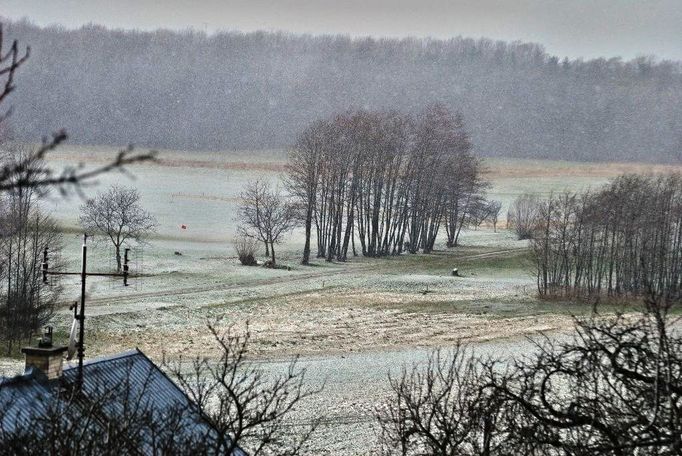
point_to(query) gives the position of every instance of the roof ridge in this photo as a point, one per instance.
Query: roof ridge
(103, 358)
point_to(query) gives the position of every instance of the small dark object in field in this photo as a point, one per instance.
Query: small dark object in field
(178, 253)
(455, 272)
(269, 264)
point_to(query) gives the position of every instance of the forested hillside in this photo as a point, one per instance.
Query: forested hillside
(186, 90)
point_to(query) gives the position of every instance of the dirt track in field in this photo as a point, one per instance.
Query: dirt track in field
(272, 281)
(298, 315)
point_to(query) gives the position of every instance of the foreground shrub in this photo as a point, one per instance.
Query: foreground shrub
(246, 250)
(613, 388)
(523, 215)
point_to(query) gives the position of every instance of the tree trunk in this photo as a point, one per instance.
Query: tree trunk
(118, 258)
(352, 241)
(272, 251)
(343, 254)
(308, 227)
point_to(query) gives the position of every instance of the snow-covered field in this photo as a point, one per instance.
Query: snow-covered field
(351, 321)
(201, 189)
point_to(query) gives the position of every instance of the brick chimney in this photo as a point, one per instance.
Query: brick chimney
(45, 357)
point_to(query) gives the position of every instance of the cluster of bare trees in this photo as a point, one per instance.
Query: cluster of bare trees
(25, 231)
(388, 179)
(616, 241)
(612, 389)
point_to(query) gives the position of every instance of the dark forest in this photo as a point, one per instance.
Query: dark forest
(187, 90)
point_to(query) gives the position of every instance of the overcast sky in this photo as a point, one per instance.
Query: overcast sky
(573, 28)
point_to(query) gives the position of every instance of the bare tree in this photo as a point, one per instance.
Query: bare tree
(482, 211)
(612, 389)
(478, 212)
(117, 214)
(25, 305)
(266, 215)
(493, 213)
(246, 407)
(303, 170)
(441, 409)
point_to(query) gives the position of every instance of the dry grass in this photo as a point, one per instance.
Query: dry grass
(334, 323)
(517, 168)
(275, 161)
(205, 197)
(225, 165)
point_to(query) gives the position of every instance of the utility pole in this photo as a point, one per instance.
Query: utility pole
(79, 315)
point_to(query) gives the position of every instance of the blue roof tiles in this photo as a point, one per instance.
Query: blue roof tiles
(129, 381)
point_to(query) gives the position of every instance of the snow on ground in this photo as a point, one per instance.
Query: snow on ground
(351, 322)
(353, 392)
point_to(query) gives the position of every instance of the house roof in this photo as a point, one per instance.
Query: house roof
(128, 379)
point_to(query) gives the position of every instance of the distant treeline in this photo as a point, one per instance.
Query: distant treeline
(186, 90)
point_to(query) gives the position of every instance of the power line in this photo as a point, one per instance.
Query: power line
(79, 315)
